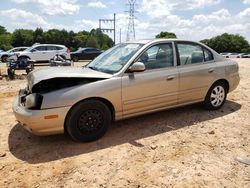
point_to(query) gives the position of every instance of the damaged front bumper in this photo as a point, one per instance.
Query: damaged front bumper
(40, 122)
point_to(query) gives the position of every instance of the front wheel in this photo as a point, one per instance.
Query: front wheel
(216, 96)
(4, 59)
(88, 121)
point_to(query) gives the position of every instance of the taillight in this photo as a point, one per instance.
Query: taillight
(68, 51)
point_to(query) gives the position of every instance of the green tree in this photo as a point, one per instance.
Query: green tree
(92, 42)
(5, 41)
(2, 30)
(166, 35)
(80, 40)
(227, 43)
(22, 37)
(38, 36)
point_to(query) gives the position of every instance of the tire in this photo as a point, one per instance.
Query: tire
(216, 96)
(23, 59)
(4, 58)
(88, 121)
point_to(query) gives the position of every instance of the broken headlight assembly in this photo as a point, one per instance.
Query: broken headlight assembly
(32, 101)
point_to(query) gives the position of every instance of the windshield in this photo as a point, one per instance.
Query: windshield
(79, 49)
(112, 60)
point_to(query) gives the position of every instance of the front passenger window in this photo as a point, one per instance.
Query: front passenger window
(158, 56)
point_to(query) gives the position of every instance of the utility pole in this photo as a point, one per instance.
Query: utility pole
(107, 29)
(131, 23)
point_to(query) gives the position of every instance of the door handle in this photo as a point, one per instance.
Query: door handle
(170, 77)
(211, 70)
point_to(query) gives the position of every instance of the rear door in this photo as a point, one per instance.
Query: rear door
(51, 52)
(156, 87)
(197, 71)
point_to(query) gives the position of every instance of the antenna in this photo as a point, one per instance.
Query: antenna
(131, 23)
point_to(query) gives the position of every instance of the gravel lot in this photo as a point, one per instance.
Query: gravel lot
(183, 147)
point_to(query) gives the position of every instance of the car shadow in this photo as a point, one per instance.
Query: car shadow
(34, 149)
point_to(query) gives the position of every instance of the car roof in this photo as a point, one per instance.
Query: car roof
(48, 45)
(145, 41)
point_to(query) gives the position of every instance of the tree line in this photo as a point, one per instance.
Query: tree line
(96, 38)
(221, 43)
(26, 37)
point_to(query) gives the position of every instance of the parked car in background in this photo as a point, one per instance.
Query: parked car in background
(225, 54)
(130, 79)
(44, 52)
(246, 55)
(4, 55)
(85, 54)
(236, 55)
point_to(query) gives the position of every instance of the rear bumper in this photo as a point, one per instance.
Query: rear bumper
(234, 82)
(36, 121)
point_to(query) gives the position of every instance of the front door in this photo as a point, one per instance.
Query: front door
(39, 54)
(156, 87)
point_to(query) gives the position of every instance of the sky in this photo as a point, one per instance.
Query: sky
(188, 19)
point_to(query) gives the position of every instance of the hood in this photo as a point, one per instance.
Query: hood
(37, 76)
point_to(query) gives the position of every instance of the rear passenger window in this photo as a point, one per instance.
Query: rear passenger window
(51, 48)
(58, 48)
(190, 53)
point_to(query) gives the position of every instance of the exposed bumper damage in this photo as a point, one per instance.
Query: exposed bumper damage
(27, 106)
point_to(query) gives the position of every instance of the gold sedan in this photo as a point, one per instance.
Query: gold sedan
(127, 80)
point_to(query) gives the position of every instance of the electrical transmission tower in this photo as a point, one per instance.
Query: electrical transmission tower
(131, 23)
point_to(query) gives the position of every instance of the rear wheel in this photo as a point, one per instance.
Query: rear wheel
(88, 121)
(216, 96)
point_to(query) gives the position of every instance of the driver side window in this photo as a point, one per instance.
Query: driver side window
(158, 56)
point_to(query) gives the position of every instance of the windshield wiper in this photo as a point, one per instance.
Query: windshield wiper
(93, 68)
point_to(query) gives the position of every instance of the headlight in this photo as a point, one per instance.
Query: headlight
(33, 101)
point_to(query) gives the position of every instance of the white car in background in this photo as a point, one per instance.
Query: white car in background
(4, 55)
(44, 52)
(225, 54)
(236, 55)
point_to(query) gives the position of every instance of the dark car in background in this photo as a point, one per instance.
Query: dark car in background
(85, 54)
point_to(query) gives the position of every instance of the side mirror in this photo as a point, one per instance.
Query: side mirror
(137, 67)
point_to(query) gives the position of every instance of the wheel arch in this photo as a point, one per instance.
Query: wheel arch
(224, 81)
(23, 56)
(4, 55)
(101, 99)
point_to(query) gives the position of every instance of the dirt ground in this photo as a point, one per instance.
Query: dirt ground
(183, 147)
